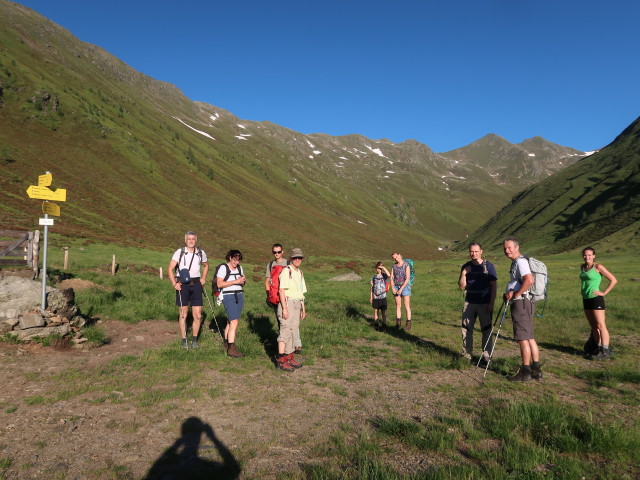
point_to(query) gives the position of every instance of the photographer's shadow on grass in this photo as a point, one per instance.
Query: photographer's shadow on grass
(188, 459)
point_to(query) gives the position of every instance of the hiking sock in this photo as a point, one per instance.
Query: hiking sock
(194, 339)
(535, 366)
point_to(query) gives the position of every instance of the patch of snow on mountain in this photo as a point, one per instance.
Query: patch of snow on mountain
(214, 117)
(590, 153)
(343, 158)
(194, 129)
(310, 144)
(310, 156)
(362, 223)
(532, 154)
(377, 151)
(317, 152)
(242, 126)
(240, 137)
(385, 176)
(390, 162)
(389, 171)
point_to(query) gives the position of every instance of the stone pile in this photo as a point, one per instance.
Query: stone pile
(22, 317)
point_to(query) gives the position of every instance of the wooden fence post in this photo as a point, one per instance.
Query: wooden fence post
(113, 265)
(160, 273)
(66, 258)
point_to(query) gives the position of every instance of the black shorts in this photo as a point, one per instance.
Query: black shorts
(595, 303)
(379, 303)
(191, 294)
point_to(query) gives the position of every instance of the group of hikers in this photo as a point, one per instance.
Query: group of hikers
(285, 292)
(284, 285)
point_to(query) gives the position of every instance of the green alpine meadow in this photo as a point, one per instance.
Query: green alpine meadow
(120, 398)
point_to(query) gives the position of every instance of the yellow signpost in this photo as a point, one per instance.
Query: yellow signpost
(49, 208)
(45, 193)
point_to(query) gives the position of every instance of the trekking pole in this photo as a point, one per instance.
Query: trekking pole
(182, 317)
(484, 348)
(213, 315)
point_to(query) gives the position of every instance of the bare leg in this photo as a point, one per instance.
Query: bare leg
(197, 319)
(182, 321)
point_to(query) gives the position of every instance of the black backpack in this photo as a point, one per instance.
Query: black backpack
(214, 283)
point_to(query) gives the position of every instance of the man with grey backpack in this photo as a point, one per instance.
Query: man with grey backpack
(518, 295)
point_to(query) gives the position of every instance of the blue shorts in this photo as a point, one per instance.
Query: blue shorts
(191, 294)
(405, 292)
(233, 304)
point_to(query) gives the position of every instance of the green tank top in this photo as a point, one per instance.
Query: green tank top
(590, 281)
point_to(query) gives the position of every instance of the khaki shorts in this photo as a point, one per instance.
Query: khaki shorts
(522, 312)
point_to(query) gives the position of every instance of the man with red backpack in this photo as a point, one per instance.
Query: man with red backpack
(270, 284)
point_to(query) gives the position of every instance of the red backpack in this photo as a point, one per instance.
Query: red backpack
(274, 288)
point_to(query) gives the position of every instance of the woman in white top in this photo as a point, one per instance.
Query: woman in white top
(230, 280)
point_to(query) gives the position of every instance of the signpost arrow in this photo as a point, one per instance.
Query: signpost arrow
(49, 208)
(45, 193)
(45, 180)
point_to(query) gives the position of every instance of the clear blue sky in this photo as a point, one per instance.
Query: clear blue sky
(443, 72)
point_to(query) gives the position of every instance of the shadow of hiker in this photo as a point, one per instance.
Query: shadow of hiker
(261, 325)
(216, 324)
(562, 348)
(354, 312)
(421, 342)
(181, 460)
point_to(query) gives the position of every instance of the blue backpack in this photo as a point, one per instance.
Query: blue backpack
(412, 271)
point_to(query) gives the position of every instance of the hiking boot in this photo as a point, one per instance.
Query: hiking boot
(536, 373)
(482, 363)
(282, 363)
(407, 326)
(522, 376)
(603, 354)
(232, 351)
(194, 344)
(465, 354)
(185, 345)
(292, 361)
(398, 323)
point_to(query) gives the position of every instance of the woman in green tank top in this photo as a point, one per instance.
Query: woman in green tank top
(591, 275)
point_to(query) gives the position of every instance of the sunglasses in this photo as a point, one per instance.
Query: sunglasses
(275, 252)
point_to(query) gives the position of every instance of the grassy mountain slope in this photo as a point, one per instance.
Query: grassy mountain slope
(142, 163)
(586, 202)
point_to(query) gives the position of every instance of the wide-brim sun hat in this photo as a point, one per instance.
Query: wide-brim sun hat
(296, 253)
